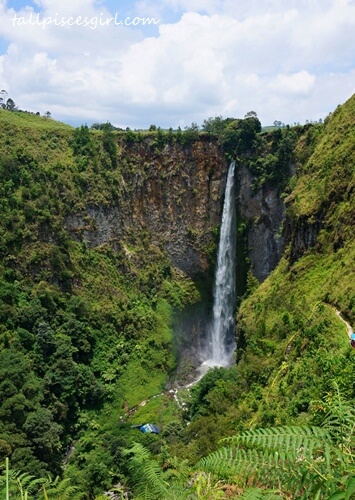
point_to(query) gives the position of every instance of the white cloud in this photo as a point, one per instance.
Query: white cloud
(297, 84)
(289, 61)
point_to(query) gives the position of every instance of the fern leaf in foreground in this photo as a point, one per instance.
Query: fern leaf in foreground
(259, 494)
(146, 474)
(301, 460)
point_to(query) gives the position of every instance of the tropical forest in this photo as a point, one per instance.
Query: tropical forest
(177, 309)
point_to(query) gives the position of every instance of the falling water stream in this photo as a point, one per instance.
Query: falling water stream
(220, 344)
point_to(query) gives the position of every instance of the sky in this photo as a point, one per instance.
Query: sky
(90, 61)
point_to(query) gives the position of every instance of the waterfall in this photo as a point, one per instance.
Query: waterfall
(221, 343)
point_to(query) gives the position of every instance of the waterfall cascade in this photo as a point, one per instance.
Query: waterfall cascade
(221, 343)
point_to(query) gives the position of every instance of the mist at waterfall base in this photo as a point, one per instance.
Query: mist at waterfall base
(220, 344)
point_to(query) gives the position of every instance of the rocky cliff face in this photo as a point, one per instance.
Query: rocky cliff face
(264, 213)
(303, 235)
(174, 196)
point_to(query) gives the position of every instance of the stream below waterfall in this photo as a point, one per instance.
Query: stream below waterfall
(199, 373)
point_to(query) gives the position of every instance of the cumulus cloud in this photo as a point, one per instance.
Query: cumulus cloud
(298, 84)
(289, 61)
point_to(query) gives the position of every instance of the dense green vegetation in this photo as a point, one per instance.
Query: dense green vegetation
(86, 333)
(80, 328)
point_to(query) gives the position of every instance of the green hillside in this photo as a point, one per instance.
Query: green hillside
(87, 331)
(289, 320)
(73, 320)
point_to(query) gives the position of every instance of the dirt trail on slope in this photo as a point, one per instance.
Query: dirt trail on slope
(348, 326)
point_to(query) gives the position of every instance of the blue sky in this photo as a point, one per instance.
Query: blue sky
(18, 4)
(291, 61)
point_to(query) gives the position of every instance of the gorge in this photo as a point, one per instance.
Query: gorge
(109, 245)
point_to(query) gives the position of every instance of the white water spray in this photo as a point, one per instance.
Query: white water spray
(221, 343)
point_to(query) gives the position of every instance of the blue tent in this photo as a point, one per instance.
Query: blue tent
(147, 428)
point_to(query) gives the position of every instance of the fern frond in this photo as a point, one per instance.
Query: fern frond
(28, 482)
(286, 437)
(22, 483)
(62, 489)
(234, 462)
(303, 459)
(146, 474)
(292, 442)
(340, 420)
(259, 494)
(178, 492)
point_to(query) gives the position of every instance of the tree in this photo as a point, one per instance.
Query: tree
(103, 126)
(10, 105)
(239, 135)
(43, 432)
(190, 134)
(2, 93)
(194, 127)
(82, 144)
(216, 125)
(251, 114)
(109, 143)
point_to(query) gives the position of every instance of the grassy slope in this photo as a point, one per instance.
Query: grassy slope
(44, 139)
(296, 345)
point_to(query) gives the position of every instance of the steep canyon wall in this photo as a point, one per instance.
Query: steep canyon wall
(175, 196)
